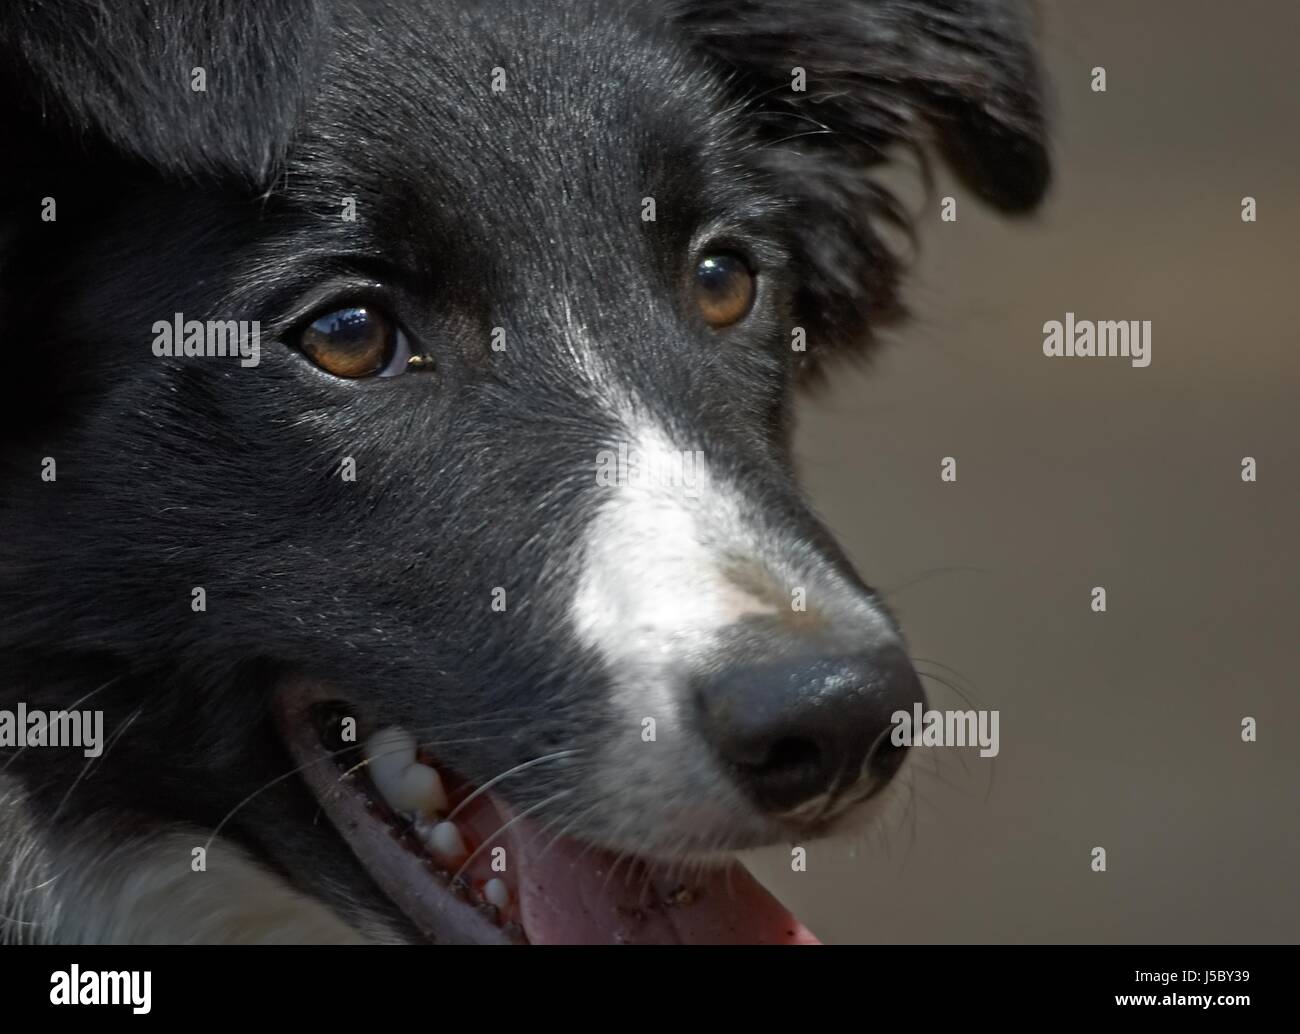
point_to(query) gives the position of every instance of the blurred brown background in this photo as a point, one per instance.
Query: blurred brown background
(1122, 729)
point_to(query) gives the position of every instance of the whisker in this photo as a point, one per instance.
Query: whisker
(400, 750)
(85, 769)
(75, 704)
(937, 773)
(960, 755)
(927, 575)
(951, 671)
(965, 699)
(522, 815)
(574, 819)
(216, 832)
(506, 774)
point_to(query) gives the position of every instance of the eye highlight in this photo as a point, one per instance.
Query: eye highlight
(723, 288)
(355, 342)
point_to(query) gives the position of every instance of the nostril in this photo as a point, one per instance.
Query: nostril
(791, 771)
(790, 753)
(790, 764)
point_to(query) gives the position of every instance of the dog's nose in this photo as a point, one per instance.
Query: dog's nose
(792, 731)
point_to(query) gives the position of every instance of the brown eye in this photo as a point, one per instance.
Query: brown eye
(724, 289)
(356, 342)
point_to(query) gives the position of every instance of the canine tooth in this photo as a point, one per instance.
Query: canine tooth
(445, 841)
(422, 790)
(390, 750)
(495, 892)
(404, 783)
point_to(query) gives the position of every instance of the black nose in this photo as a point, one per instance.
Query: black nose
(795, 730)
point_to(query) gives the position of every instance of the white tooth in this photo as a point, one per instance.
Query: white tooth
(495, 892)
(419, 789)
(445, 841)
(403, 782)
(390, 750)
(437, 796)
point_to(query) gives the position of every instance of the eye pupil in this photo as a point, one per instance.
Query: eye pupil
(724, 289)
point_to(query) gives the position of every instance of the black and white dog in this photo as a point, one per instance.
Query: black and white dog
(396, 409)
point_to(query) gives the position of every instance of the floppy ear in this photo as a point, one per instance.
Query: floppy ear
(191, 88)
(958, 75)
(876, 67)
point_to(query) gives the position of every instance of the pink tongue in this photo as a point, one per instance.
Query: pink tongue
(570, 893)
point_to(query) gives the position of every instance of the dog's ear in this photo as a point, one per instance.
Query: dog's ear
(874, 69)
(833, 85)
(190, 88)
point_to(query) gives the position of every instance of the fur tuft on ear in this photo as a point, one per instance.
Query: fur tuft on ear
(874, 68)
(192, 88)
(833, 85)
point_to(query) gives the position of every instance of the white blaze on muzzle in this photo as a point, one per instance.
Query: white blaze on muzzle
(655, 586)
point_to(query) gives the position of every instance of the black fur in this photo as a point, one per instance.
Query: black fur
(475, 210)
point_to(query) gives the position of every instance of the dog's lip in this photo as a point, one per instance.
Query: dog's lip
(403, 875)
(569, 892)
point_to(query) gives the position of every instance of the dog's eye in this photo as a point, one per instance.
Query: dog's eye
(356, 342)
(724, 289)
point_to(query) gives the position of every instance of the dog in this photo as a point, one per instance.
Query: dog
(396, 453)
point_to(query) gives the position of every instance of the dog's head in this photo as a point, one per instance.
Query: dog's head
(535, 286)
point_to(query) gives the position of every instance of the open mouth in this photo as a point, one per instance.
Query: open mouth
(465, 868)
